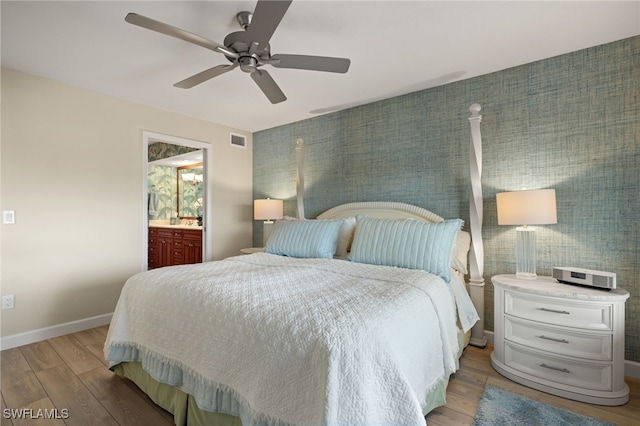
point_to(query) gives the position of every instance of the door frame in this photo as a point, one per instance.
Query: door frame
(207, 159)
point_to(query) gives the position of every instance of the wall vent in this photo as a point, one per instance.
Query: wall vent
(238, 140)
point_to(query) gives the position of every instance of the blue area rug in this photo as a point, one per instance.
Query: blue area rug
(499, 407)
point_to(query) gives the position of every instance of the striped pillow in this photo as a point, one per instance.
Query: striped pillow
(304, 238)
(411, 244)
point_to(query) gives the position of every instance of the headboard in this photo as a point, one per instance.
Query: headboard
(381, 210)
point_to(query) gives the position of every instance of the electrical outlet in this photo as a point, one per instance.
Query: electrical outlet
(7, 301)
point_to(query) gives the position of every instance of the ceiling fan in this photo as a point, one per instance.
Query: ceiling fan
(248, 49)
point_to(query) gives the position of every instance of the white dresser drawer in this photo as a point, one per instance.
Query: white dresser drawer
(568, 313)
(590, 346)
(559, 370)
(562, 339)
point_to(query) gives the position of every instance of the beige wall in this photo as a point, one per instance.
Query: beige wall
(72, 170)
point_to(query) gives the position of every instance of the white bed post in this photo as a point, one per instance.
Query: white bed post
(300, 178)
(476, 256)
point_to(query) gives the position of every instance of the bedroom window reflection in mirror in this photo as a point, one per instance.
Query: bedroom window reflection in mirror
(189, 193)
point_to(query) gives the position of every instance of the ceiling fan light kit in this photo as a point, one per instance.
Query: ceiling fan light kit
(248, 49)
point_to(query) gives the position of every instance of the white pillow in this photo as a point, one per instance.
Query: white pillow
(346, 237)
(461, 246)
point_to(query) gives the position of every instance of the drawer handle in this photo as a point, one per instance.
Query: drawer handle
(553, 339)
(551, 367)
(555, 311)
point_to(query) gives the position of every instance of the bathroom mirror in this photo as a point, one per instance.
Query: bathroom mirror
(189, 194)
(175, 182)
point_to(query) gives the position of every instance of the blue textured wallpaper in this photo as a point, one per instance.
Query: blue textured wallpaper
(569, 123)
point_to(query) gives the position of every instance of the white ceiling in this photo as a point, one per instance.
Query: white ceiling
(395, 47)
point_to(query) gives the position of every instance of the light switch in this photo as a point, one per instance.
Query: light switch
(8, 217)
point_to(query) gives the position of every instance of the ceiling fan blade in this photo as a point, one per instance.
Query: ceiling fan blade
(315, 63)
(266, 18)
(203, 76)
(161, 27)
(268, 86)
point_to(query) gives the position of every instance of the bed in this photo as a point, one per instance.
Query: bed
(357, 317)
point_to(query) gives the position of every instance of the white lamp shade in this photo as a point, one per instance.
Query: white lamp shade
(528, 207)
(267, 209)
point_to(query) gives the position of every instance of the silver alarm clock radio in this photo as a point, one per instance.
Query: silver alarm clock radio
(586, 277)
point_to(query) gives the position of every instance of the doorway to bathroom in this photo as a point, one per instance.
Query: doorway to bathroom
(176, 203)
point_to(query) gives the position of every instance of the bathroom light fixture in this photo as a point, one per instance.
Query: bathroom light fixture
(192, 177)
(527, 207)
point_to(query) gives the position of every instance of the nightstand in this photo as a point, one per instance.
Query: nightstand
(561, 339)
(252, 250)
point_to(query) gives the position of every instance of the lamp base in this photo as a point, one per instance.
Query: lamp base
(526, 253)
(526, 276)
(267, 228)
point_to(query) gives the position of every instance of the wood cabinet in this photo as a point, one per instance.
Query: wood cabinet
(174, 246)
(192, 246)
(562, 339)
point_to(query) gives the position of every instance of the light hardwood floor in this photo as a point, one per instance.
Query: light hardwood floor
(70, 373)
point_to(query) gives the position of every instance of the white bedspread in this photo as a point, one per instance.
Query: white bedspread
(293, 341)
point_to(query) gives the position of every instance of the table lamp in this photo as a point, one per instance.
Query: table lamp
(524, 208)
(267, 210)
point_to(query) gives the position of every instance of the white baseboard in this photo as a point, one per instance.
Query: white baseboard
(41, 334)
(631, 368)
(489, 336)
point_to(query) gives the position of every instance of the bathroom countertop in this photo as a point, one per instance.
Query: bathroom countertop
(165, 224)
(177, 226)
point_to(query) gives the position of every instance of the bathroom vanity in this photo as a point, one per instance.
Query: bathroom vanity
(174, 245)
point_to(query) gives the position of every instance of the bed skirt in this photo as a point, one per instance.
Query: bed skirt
(186, 412)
